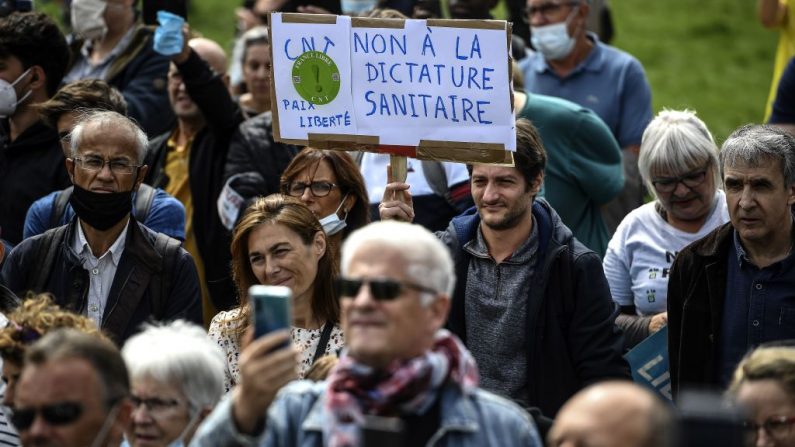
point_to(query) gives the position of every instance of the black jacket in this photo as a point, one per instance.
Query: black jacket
(696, 292)
(31, 167)
(141, 75)
(208, 155)
(572, 339)
(150, 281)
(254, 152)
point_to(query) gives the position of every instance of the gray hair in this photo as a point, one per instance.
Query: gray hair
(675, 142)
(428, 259)
(100, 353)
(111, 121)
(179, 354)
(755, 144)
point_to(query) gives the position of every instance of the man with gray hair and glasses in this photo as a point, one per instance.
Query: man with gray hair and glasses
(735, 288)
(104, 264)
(73, 392)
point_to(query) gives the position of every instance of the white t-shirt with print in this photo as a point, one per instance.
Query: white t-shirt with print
(640, 254)
(374, 171)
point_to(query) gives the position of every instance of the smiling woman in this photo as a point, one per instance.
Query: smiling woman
(279, 241)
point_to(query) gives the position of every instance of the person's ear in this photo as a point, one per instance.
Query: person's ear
(38, 79)
(141, 176)
(537, 184)
(348, 204)
(791, 198)
(438, 309)
(319, 244)
(70, 169)
(123, 419)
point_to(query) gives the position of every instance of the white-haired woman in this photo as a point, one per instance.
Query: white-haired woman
(679, 165)
(177, 377)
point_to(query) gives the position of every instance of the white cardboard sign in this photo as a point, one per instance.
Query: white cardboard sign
(404, 83)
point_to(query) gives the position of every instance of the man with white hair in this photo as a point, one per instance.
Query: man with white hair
(177, 377)
(104, 264)
(400, 367)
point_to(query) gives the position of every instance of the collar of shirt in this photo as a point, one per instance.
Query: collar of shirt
(81, 247)
(744, 262)
(477, 247)
(88, 45)
(593, 62)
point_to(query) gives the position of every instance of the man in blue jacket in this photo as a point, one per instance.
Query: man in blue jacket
(104, 264)
(531, 302)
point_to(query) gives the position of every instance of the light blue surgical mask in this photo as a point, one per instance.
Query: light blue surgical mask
(332, 224)
(553, 41)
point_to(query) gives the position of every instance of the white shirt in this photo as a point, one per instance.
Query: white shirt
(101, 270)
(640, 254)
(374, 171)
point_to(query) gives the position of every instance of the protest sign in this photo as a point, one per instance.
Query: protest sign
(432, 89)
(648, 362)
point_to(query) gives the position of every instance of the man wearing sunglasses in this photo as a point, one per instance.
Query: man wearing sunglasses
(531, 302)
(571, 63)
(734, 289)
(73, 392)
(104, 264)
(402, 379)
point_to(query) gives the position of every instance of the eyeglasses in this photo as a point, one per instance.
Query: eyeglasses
(318, 189)
(776, 427)
(65, 136)
(95, 164)
(669, 184)
(547, 10)
(381, 289)
(154, 405)
(57, 414)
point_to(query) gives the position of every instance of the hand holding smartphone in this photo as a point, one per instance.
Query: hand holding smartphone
(271, 308)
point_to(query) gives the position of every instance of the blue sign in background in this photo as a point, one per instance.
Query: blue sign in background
(649, 363)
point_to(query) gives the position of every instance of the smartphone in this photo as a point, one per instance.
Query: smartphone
(270, 308)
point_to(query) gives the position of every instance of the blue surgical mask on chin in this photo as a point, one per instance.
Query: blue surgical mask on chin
(553, 41)
(332, 224)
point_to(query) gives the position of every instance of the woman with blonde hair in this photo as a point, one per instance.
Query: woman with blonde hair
(36, 316)
(764, 384)
(279, 241)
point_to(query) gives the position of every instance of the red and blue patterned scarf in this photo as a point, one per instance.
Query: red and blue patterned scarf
(403, 387)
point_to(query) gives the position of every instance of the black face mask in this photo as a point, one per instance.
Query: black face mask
(100, 210)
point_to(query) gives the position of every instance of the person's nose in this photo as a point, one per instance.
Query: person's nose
(141, 415)
(104, 172)
(307, 196)
(490, 192)
(681, 189)
(747, 199)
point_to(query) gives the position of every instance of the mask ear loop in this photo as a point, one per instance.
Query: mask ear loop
(99, 439)
(16, 81)
(342, 202)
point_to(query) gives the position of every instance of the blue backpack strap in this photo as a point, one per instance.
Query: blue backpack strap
(466, 227)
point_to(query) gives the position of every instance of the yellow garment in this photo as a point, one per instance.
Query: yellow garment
(785, 52)
(177, 160)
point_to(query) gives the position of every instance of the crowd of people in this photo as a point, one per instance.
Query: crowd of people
(143, 192)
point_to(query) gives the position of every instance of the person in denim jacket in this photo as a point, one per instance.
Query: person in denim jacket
(400, 369)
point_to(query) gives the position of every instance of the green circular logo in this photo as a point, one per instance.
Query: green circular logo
(316, 77)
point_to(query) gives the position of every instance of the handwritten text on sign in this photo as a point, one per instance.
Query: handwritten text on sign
(400, 84)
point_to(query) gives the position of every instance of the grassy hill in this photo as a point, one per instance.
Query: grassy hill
(708, 55)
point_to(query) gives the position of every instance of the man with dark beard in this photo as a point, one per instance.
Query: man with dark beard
(104, 264)
(531, 302)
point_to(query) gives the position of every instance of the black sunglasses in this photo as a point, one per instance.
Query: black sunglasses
(56, 414)
(380, 289)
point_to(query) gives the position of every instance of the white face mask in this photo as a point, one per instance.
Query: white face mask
(88, 20)
(553, 41)
(8, 96)
(332, 224)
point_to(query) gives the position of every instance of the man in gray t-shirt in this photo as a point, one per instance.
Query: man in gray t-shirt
(531, 302)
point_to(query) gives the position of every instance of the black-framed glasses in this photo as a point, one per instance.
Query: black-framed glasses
(95, 164)
(154, 405)
(548, 9)
(776, 427)
(380, 289)
(691, 180)
(318, 189)
(61, 413)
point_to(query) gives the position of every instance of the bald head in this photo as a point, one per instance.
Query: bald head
(612, 414)
(211, 52)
